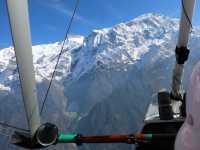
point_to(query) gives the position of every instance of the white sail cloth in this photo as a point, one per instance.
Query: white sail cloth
(188, 137)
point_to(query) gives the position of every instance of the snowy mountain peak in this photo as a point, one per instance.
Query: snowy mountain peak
(44, 59)
(115, 47)
(125, 43)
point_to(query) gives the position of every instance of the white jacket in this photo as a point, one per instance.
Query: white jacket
(188, 137)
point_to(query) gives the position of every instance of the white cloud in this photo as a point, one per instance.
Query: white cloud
(60, 7)
(51, 27)
(113, 10)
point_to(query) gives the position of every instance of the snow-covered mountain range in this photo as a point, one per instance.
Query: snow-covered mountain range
(105, 81)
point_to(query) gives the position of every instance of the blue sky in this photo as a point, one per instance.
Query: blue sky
(48, 18)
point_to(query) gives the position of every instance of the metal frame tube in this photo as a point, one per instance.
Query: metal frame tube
(19, 22)
(184, 32)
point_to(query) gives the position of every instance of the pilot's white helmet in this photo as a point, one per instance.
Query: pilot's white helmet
(188, 137)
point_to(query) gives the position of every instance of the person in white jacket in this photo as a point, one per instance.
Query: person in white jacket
(188, 137)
